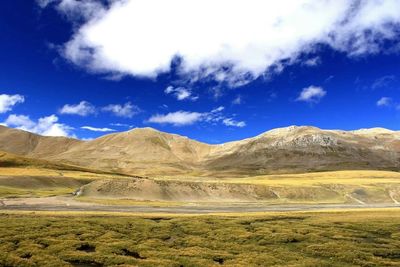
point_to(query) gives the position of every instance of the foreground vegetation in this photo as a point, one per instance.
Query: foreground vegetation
(350, 238)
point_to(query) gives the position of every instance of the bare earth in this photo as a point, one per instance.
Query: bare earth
(65, 203)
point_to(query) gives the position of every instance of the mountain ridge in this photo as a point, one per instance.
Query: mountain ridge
(147, 151)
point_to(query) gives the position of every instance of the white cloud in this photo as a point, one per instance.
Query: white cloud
(218, 109)
(127, 110)
(311, 94)
(312, 62)
(121, 125)
(94, 129)
(232, 122)
(84, 108)
(238, 100)
(246, 37)
(44, 3)
(178, 118)
(383, 82)
(47, 126)
(181, 118)
(7, 102)
(76, 10)
(384, 102)
(21, 121)
(180, 93)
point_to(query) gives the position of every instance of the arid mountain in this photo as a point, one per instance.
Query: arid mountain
(299, 149)
(147, 151)
(142, 151)
(28, 144)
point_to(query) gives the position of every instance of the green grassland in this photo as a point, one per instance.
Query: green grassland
(345, 238)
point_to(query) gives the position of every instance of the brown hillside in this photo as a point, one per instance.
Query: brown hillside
(150, 152)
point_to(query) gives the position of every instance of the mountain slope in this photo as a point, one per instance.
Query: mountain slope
(150, 152)
(141, 151)
(29, 144)
(299, 149)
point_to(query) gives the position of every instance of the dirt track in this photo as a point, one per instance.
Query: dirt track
(68, 204)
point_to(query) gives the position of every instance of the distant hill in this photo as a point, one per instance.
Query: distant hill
(8, 160)
(146, 151)
(25, 143)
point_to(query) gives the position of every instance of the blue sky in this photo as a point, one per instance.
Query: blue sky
(82, 69)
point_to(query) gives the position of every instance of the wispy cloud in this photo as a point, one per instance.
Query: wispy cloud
(115, 38)
(128, 110)
(181, 118)
(48, 126)
(83, 109)
(44, 3)
(94, 129)
(122, 125)
(312, 62)
(7, 102)
(180, 93)
(311, 94)
(384, 102)
(178, 118)
(238, 100)
(232, 122)
(383, 82)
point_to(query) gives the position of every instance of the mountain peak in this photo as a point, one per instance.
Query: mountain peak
(376, 130)
(289, 130)
(144, 129)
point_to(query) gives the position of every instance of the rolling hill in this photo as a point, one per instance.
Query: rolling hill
(146, 151)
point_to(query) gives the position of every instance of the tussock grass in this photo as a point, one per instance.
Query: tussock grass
(354, 177)
(362, 238)
(10, 192)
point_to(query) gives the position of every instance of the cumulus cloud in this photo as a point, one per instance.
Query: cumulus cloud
(7, 102)
(48, 126)
(180, 93)
(311, 94)
(181, 118)
(237, 40)
(84, 108)
(94, 129)
(128, 110)
(384, 102)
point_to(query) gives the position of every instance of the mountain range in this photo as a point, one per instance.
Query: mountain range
(149, 152)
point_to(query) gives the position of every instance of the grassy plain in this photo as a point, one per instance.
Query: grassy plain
(27, 177)
(342, 238)
(354, 177)
(320, 187)
(338, 187)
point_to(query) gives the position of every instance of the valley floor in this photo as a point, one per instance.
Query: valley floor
(349, 218)
(341, 238)
(68, 203)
